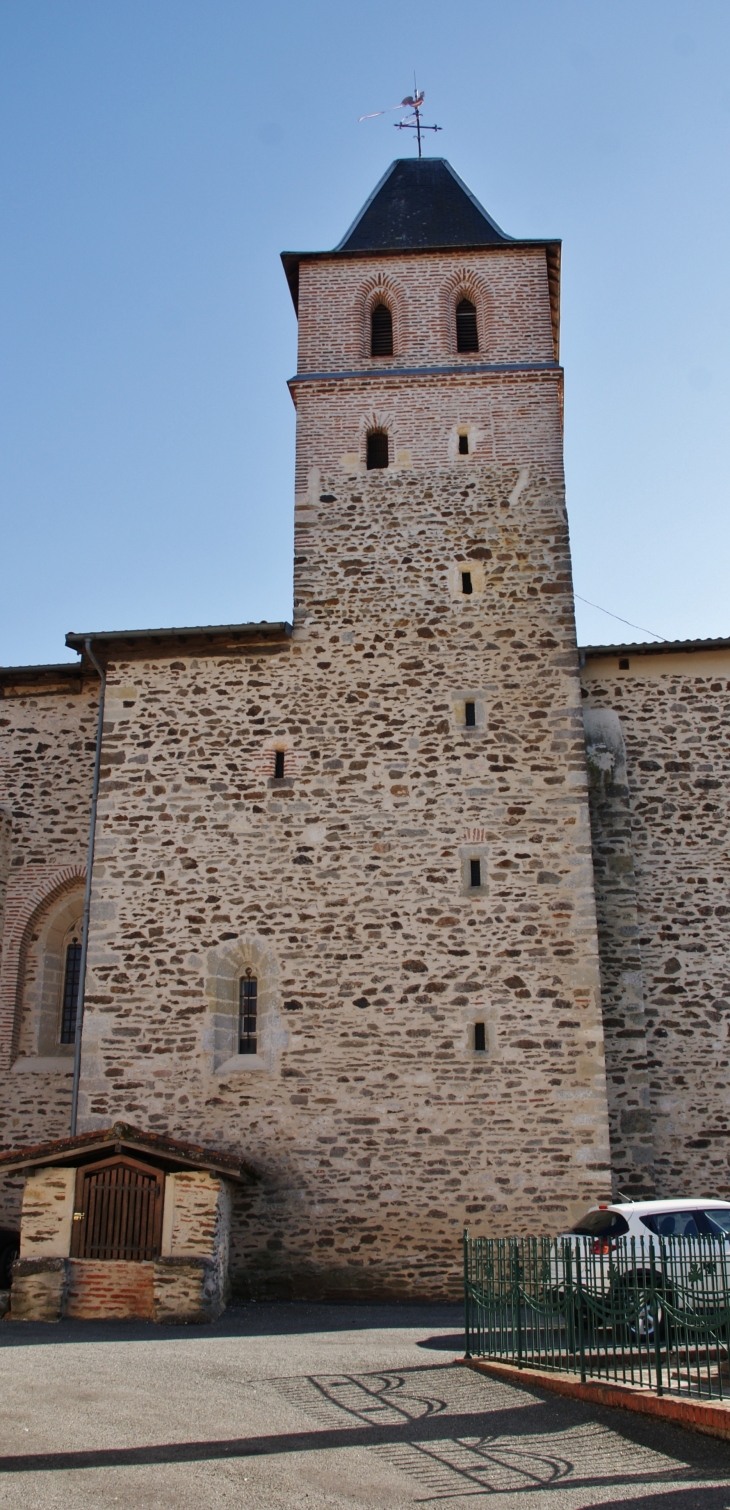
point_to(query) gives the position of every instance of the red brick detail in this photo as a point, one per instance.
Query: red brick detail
(695, 1415)
(29, 896)
(112, 1289)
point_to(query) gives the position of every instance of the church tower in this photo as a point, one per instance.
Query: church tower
(433, 604)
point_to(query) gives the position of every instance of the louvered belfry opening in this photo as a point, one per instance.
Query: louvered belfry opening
(118, 1212)
(381, 331)
(377, 449)
(467, 335)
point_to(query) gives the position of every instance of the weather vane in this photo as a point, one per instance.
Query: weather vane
(412, 122)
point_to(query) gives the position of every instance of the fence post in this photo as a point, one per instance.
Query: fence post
(655, 1308)
(516, 1304)
(467, 1314)
(579, 1277)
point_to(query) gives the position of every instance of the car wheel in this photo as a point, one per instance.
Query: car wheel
(640, 1310)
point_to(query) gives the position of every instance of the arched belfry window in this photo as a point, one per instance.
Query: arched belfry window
(71, 981)
(248, 1007)
(467, 335)
(381, 331)
(377, 453)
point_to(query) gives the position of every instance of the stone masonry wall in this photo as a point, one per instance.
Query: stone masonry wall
(622, 987)
(47, 742)
(675, 720)
(377, 1127)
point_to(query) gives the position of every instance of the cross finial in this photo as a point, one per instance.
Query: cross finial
(412, 122)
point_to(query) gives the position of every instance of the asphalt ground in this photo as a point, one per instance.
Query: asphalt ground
(321, 1407)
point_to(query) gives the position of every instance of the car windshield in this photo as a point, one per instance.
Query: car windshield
(600, 1224)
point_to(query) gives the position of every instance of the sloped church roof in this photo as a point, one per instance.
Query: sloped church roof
(420, 202)
(419, 205)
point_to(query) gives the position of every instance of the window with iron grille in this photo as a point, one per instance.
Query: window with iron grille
(381, 331)
(71, 981)
(248, 999)
(467, 335)
(377, 449)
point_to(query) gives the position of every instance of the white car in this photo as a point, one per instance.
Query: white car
(621, 1253)
(647, 1219)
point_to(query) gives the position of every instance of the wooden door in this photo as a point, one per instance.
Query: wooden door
(118, 1211)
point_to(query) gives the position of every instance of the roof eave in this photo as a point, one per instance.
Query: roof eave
(120, 1137)
(652, 647)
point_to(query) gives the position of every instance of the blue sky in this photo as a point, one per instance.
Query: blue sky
(157, 155)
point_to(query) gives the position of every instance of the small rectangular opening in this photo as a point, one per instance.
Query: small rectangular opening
(470, 710)
(278, 764)
(466, 583)
(463, 445)
(480, 1037)
(377, 449)
(475, 872)
(623, 664)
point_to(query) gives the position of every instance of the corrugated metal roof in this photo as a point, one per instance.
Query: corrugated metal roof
(653, 647)
(261, 630)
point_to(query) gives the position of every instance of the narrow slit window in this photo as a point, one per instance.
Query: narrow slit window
(475, 872)
(278, 764)
(467, 586)
(71, 981)
(381, 331)
(470, 710)
(463, 441)
(480, 1038)
(377, 449)
(467, 335)
(247, 1015)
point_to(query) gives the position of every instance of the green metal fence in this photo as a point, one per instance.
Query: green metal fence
(654, 1313)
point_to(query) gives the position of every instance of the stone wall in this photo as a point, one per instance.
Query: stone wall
(47, 739)
(47, 1214)
(675, 724)
(377, 1126)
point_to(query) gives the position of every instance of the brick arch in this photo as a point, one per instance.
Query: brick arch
(377, 419)
(28, 900)
(465, 283)
(382, 289)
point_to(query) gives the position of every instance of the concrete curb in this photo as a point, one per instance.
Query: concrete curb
(712, 1419)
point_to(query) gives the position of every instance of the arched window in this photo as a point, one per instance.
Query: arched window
(377, 449)
(71, 981)
(248, 1003)
(381, 331)
(467, 335)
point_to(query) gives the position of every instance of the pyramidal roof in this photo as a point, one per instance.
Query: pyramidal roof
(420, 202)
(419, 205)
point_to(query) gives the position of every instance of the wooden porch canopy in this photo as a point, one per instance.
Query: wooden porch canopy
(167, 1153)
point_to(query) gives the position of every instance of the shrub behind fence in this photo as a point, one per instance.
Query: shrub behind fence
(654, 1313)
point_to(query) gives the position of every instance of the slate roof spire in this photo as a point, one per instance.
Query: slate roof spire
(421, 202)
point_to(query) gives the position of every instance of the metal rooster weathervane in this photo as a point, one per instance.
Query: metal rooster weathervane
(412, 103)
